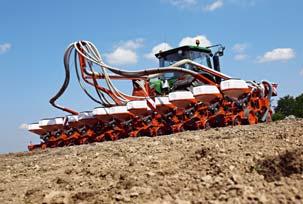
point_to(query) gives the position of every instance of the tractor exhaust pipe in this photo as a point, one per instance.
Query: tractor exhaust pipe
(216, 60)
(217, 67)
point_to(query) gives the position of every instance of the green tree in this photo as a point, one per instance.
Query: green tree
(299, 106)
(278, 116)
(289, 105)
(286, 105)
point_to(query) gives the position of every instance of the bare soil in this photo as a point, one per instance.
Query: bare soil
(245, 164)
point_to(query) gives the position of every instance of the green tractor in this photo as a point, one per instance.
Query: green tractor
(171, 81)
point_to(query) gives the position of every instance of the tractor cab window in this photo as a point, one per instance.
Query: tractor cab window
(171, 59)
(195, 56)
(199, 57)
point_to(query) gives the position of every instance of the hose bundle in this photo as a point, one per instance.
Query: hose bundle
(90, 53)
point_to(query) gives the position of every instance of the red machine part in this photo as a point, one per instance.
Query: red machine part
(233, 102)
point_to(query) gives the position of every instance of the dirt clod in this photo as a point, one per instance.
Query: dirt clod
(273, 168)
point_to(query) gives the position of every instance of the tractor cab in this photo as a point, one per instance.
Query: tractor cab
(171, 81)
(197, 54)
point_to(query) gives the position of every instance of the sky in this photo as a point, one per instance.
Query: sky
(263, 40)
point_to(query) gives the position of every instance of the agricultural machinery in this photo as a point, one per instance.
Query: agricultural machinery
(187, 91)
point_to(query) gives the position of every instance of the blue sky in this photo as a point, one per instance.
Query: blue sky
(263, 40)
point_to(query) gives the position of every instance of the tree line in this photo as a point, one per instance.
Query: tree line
(289, 105)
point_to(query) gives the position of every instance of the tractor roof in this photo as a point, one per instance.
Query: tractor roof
(183, 48)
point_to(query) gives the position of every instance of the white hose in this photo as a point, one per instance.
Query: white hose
(91, 54)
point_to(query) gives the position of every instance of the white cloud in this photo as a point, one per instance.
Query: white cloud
(125, 53)
(301, 72)
(122, 56)
(5, 47)
(204, 42)
(182, 3)
(132, 44)
(214, 5)
(23, 126)
(240, 57)
(162, 46)
(278, 54)
(209, 5)
(240, 49)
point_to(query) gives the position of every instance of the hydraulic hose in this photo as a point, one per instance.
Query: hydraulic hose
(80, 83)
(52, 101)
(269, 98)
(90, 53)
(145, 72)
